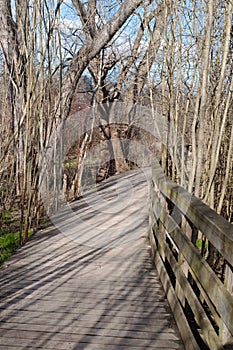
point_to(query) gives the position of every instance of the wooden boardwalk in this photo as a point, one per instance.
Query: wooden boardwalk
(93, 289)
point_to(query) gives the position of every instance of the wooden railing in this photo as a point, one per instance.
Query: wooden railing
(189, 240)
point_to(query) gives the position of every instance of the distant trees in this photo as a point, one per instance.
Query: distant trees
(174, 57)
(34, 73)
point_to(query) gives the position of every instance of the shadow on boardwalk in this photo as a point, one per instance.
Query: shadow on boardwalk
(94, 288)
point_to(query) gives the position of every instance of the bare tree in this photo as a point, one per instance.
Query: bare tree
(30, 43)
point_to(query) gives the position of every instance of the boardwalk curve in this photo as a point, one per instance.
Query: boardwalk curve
(96, 290)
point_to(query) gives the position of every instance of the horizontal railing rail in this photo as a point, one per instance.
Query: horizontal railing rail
(193, 252)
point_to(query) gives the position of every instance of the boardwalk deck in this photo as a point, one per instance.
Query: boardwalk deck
(92, 286)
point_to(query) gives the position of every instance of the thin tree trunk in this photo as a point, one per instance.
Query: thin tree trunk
(204, 95)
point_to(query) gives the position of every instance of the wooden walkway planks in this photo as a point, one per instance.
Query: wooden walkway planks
(94, 288)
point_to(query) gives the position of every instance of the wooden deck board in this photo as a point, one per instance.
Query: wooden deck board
(64, 291)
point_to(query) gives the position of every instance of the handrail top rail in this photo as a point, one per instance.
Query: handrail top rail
(216, 228)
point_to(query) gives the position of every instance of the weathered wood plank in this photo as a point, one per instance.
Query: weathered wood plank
(74, 334)
(68, 326)
(88, 342)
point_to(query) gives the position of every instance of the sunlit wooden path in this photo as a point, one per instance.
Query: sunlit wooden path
(93, 287)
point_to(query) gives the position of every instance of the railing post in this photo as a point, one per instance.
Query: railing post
(151, 221)
(224, 333)
(186, 228)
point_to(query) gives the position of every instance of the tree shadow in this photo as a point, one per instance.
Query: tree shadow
(59, 294)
